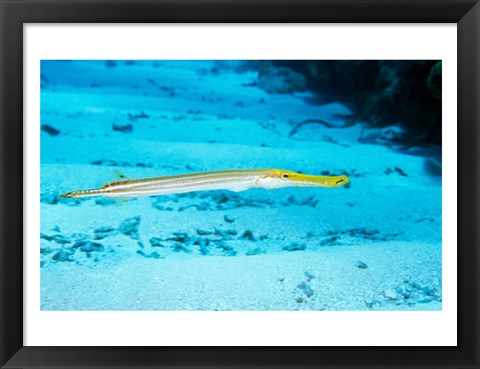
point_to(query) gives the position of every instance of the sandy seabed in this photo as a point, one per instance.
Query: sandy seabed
(375, 245)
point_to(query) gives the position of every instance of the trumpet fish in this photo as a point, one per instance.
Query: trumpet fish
(232, 180)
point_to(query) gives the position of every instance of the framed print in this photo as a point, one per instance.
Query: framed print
(271, 184)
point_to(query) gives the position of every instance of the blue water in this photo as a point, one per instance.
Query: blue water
(373, 245)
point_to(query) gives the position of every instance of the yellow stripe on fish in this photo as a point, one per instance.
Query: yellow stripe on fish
(232, 180)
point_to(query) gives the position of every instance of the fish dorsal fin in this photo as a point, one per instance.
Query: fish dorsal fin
(118, 174)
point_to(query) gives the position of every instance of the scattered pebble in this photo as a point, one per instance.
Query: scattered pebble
(130, 226)
(111, 163)
(134, 117)
(177, 247)
(255, 251)
(231, 232)
(204, 249)
(361, 265)
(307, 290)
(104, 201)
(401, 171)
(122, 127)
(156, 242)
(62, 255)
(371, 303)
(248, 235)
(226, 248)
(45, 250)
(229, 219)
(397, 170)
(222, 234)
(88, 246)
(369, 234)
(431, 220)
(52, 131)
(153, 255)
(426, 300)
(294, 246)
(53, 198)
(309, 275)
(390, 294)
(58, 238)
(329, 241)
(181, 237)
(103, 232)
(200, 207)
(202, 241)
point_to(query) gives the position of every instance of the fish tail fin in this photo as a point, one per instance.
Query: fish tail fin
(82, 193)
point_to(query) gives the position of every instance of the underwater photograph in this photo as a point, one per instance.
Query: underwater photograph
(241, 185)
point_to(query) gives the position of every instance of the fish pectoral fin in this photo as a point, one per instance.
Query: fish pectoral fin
(118, 174)
(240, 188)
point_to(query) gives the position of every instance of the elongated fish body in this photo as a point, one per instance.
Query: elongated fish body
(232, 180)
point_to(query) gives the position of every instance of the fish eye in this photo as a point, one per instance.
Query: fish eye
(284, 175)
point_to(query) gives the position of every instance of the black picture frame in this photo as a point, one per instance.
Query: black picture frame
(15, 13)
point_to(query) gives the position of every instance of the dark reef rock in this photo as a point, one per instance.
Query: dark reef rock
(281, 81)
(379, 93)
